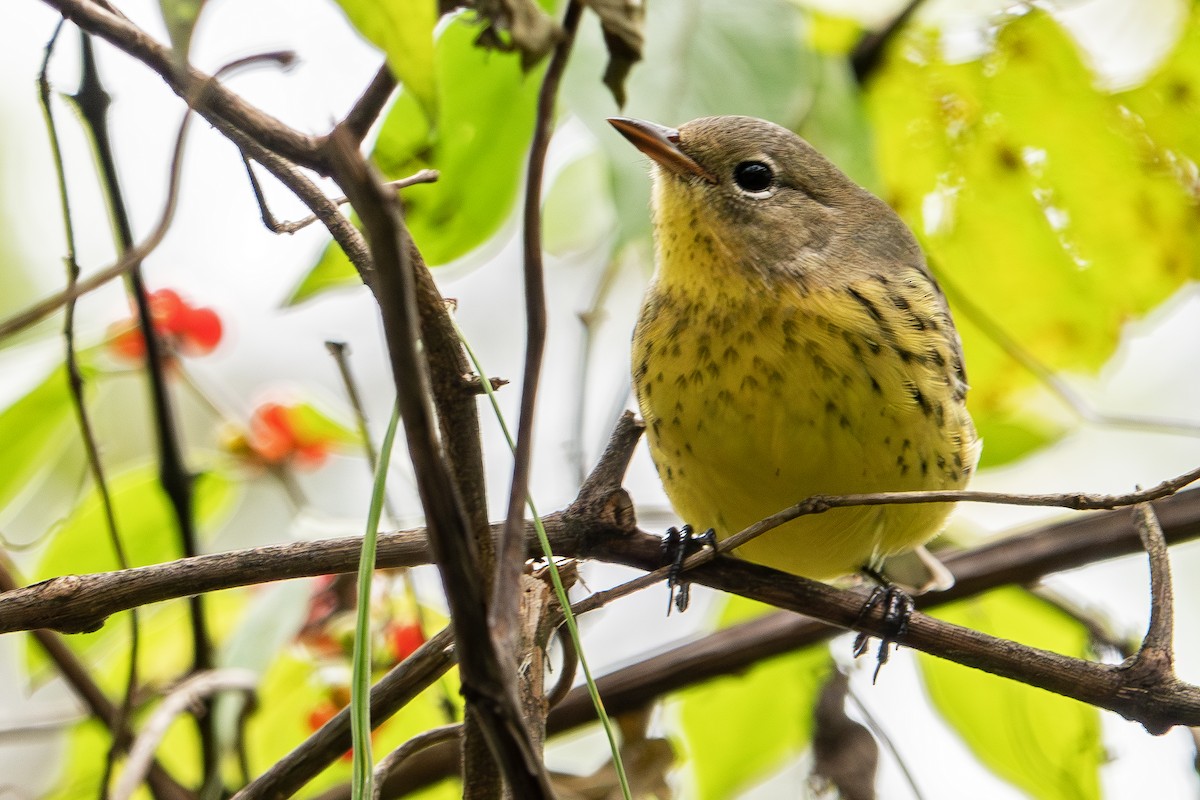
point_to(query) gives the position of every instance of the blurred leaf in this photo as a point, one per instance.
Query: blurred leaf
(180, 18)
(1045, 744)
(738, 730)
(1169, 102)
(578, 210)
(84, 755)
(403, 30)
(34, 430)
(273, 616)
(833, 35)
(478, 143)
(147, 527)
(311, 424)
(87, 750)
(1058, 233)
(144, 519)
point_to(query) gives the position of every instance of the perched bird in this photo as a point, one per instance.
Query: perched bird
(792, 343)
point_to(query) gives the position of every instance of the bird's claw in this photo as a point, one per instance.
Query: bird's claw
(897, 608)
(677, 545)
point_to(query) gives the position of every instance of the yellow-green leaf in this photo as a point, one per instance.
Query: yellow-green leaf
(1169, 102)
(1057, 233)
(1043, 743)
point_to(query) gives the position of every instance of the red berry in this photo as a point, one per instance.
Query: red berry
(200, 331)
(406, 639)
(168, 310)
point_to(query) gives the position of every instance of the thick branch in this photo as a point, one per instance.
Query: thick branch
(79, 603)
(488, 685)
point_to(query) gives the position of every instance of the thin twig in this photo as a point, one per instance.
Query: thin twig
(421, 741)
(510, 551)
(276, 226)
(881, 734)
(369, 106)
(132, 255)
(1157, 650)
(566, 672)
(596, 525)
(869, 50)
(76, 385)
(343, 232)
(393, 691)
(93, 101)
(222, 108)
(187, 695)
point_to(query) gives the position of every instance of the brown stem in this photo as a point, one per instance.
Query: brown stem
(504, 617)
(370, 105)
(393, 691)
(489, 685)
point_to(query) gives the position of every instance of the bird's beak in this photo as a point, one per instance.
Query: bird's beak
(661, 144)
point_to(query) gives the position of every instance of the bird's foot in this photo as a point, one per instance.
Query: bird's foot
(677, 545)
(897, 608)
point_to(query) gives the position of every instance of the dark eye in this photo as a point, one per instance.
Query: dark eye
(753, 176)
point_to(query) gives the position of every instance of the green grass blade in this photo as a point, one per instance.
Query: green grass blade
(559, 590)
(360, 687)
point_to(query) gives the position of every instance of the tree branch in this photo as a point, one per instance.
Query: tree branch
(219, 106)
(489, 684)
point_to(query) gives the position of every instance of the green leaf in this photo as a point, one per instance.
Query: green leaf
(478, 142)
(1058, 234)
(144, 519)
(1169, 102)
(85, 753)
(403, 30)
(1043, 743)
(33, 432)
(738, 730)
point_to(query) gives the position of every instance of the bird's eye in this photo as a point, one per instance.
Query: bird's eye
(753, 176)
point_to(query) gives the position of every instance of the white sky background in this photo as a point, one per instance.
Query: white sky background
(246, 271)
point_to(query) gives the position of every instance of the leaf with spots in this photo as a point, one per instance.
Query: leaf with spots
(1055, 235)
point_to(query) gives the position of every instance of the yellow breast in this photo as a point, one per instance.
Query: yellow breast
(758, 393)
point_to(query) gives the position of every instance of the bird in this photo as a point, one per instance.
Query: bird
(793, 342)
